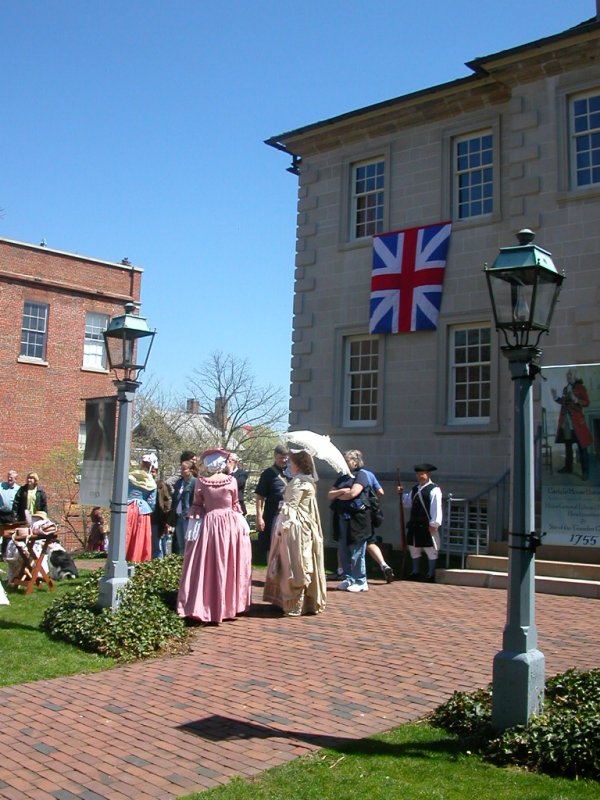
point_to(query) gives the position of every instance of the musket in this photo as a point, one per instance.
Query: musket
(402, 528)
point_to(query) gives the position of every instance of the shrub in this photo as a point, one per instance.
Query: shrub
(466, 714)
(573, 688)
(564, 740)
(144, 624)
(561, 743)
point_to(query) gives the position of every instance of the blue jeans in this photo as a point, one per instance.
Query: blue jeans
(352, 555)
(180, 529)
(156, 539)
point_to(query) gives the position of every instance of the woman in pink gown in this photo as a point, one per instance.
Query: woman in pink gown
(216, 582)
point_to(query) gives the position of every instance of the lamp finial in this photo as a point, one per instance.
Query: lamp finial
(525, 236)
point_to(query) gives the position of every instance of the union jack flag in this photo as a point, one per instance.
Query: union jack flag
(407, 279)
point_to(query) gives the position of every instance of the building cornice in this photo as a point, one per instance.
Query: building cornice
(491, 83)
(64, 254)
(62, 286)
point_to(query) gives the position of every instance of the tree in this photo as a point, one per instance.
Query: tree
(60, 470)
(247, 417)
(227, 409)
(158, 426)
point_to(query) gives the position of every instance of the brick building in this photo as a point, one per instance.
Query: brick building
(54, 308)
(514, 145)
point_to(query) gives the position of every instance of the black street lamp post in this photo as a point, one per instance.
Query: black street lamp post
(524, 286)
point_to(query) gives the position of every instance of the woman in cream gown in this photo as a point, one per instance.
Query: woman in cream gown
(295, 578)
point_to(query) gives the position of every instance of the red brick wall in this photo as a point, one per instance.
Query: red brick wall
(42, 405)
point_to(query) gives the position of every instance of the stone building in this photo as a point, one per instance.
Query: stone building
(514, 145)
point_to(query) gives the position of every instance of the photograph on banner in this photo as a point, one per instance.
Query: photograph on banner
(570, 450)
(98, 456)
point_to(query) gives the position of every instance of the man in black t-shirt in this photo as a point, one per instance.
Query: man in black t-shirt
(241, 477)
(269, 493)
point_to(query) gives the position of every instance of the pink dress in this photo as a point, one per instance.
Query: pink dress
(216, 582)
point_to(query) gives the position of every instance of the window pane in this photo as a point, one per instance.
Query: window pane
(469, 360)
(585, 139)
(362, 377)
(471, 182)
(94, 355)
(368, 185)
(33, 330)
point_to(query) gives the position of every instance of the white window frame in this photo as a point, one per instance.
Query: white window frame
(34, 339)
(372, 192)
(589, 118)
(469, 364)
(94, 351)
(357, 380)
(476, 160)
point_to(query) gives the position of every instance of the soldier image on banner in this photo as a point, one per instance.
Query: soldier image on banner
(569, 441)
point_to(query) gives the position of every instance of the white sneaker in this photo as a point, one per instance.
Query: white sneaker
(344, 586)
(358, 587)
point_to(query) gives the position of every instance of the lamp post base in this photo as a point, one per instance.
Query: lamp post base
(518, 687)
(108, 590)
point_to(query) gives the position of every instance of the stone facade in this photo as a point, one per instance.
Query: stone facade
(522, 97)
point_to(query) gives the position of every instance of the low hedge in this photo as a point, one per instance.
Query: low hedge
(563, 740)
(144, 624)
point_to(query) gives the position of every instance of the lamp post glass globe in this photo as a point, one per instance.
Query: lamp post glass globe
(128, 341)
(524, 285)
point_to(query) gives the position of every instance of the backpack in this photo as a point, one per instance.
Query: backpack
(375, 506)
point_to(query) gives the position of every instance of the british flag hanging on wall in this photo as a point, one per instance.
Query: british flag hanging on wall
(407, 279)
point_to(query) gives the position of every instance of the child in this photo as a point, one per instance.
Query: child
(97, 531)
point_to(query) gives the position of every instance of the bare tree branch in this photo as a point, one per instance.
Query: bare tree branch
(225, 407)
(248, 417)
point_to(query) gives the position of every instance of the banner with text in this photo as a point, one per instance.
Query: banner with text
(570, 444)
(98, 457)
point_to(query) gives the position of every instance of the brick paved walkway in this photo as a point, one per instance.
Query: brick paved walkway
(263, 690)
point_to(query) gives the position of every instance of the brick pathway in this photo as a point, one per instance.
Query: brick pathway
(263, 690)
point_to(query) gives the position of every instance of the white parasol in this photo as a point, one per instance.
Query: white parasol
(319, 446)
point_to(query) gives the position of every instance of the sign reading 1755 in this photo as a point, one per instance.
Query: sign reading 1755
(584, 540)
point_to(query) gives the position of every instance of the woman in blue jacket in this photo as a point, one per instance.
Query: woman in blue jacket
(183, 494)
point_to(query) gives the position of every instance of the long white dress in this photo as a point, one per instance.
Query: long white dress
(295, 578)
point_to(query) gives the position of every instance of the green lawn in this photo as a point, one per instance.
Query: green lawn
(28, 654)
(413, 762)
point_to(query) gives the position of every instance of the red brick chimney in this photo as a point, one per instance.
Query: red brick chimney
(192, 406)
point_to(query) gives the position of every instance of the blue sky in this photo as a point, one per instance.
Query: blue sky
(135, 128)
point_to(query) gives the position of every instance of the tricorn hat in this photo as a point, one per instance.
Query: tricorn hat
(424, 467)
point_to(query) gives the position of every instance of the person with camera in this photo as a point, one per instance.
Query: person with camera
(352, 523)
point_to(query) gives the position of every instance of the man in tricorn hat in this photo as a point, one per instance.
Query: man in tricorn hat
(422, 536)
